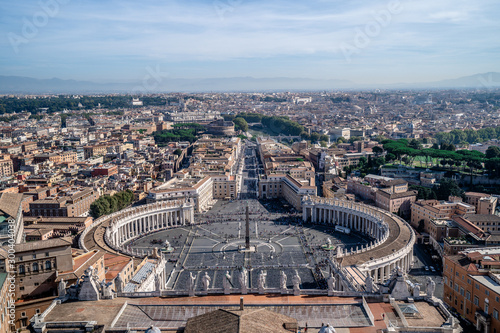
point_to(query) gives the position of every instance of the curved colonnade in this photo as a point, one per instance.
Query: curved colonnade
(147, 219)
(394, 238)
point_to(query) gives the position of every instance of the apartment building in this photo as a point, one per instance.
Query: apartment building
(423, 211)
(200, 190)
(389, 194)
(57, 157)
(37, 264)
(484, 203)
(6, 168)
(90, 151)
(71, 202)
(472, 287)
(286, 174)
(225, 187)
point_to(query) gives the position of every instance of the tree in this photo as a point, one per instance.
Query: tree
(447, 187)
(415, 144)
(341, 139)
(315, 137)
(240, 124)
(178, 152)
(377, 150)
(492, 152)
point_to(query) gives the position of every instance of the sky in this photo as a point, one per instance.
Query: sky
(367, 42)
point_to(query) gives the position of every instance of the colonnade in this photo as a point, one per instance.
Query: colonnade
(367, 220)
(147, 219)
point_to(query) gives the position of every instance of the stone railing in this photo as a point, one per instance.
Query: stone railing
(395, 255)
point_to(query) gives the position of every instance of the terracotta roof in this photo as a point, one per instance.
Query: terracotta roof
(10, 202)
(243, 321)
(43, 244)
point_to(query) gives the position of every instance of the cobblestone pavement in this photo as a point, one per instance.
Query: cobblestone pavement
(282, 243)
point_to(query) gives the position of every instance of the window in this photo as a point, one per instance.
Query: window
(497, 299)
(486, 307)
(476, 301)
(468, 281)
(462, 291)
(46, 254)
(22, 270)
(37, 310)
(34, 256)
(21, 288)
(48, 264)
(23, 314)
(451, 284)
(495, 314)
(35, 267)
(487, 292)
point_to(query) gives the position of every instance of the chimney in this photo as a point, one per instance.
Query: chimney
(242, 306)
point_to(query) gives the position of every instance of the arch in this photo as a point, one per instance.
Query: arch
(35, 267)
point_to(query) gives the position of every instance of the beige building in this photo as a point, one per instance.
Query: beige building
(71, 202)
(225, 187)
(422, 211)
(6, 168)
(200, 190)
(37, 265)
(484, 203)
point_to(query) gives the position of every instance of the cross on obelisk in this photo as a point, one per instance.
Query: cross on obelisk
(247, 231)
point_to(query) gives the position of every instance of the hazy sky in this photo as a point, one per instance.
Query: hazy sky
(363, 41)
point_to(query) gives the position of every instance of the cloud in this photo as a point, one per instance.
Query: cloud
(95, 33)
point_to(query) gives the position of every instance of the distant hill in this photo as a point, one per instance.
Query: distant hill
(17, 84)
(21, 85)
(484, 81)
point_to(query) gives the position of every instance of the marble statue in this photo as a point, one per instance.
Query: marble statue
(431, 287)
(106, 291)
(416, 290)
(283, 280)
(331, 284)
(191, 283)
(118, 283)
(226, 283)
(369, 283)
(243, 280)
(262, 280)
(296, 284)
(61, 288)
(157, 282)
(205, 281)
(328, 242)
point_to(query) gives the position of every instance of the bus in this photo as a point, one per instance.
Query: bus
(343, 230)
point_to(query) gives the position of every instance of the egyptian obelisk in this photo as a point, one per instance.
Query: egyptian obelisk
(247, 231)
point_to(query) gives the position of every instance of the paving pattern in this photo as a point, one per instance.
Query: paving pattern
(282, 244)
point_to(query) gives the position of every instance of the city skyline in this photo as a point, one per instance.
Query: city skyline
(384, 42)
